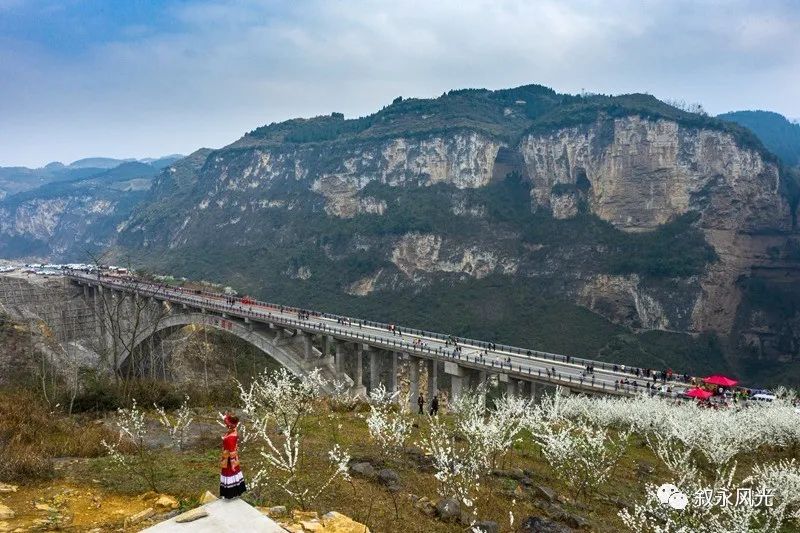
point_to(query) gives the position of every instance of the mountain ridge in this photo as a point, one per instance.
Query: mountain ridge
(613, 227)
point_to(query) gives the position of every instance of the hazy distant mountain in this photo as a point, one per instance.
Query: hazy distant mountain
(98, 162)
(15, 180)
(779, 135)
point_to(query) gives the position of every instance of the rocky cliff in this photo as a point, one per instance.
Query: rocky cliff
(506, 214)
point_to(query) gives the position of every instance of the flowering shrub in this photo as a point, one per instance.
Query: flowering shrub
(142, 463)
(388, 426)
(283, 401)
(177, 428)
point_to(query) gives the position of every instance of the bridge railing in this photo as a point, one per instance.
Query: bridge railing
(209, 300)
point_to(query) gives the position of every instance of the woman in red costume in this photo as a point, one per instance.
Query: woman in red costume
(231, 480)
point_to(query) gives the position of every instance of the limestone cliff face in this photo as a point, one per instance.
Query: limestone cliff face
(58, 224)
(415, 254)
(638, 174)
(641, 173)
(465, 160)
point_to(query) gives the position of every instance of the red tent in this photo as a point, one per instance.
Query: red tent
(700, 394)
(721, 381)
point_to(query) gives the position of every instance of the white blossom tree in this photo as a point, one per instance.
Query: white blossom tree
(284, 402)
(177, 427)
(388, 426)
(133, 432)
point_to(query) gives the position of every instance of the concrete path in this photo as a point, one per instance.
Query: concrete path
(224, 516)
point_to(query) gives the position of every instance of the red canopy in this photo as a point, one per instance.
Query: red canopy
(699, 394)
(721, 380)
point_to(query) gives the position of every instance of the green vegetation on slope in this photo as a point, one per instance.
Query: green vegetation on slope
(505, 114)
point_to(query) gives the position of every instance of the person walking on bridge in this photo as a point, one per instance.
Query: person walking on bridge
(231, 479)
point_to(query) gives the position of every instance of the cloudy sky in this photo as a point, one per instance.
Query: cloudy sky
(138, 78)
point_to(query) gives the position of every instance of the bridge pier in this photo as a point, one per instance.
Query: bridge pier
(374, 369)
(393, 376)
(433, 378)
(307, 346)
(339, 362)
(359, 387)
(413, 382)
(511, 386)
(457, 374)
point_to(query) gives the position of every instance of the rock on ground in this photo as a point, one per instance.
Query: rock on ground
(537, 524)
(448, 509)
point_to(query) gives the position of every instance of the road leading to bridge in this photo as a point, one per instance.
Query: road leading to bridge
(516, 363)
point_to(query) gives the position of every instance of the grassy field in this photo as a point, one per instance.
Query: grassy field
(83, 487)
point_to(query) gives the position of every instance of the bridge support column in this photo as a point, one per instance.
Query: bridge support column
(308, 347)
(393, 376)
(433, 378)
(326, 345)
(374, 369)
(359, 370)
(339, 358)
(457, 374)
(413, 382)
(483, 384)
(511, 386)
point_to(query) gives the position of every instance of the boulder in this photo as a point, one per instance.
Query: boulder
(448, 509)
(574, 520)
(388, 477)
(339, 523)
(166, 502)
(139, 517)
(363, 469)
(486, 526)
(45, 507)
(207, 497)
(312, 526)
(426, 506)
(538, 524)
(545, 492)
(5, 527)
(191, 516)
(5, 487)
(5, 512)
(277, 510)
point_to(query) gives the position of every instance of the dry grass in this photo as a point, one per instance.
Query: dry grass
(31, 436)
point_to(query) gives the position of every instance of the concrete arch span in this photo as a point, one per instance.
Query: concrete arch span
(287, 354)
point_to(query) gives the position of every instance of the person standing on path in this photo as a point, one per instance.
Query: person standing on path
(231, 479)
(435, 406)
(421, 404)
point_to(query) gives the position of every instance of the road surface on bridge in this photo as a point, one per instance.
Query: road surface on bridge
(518, 363)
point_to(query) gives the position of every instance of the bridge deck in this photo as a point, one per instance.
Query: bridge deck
(518, 363)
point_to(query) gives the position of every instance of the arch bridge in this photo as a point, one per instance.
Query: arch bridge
(345, 348)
